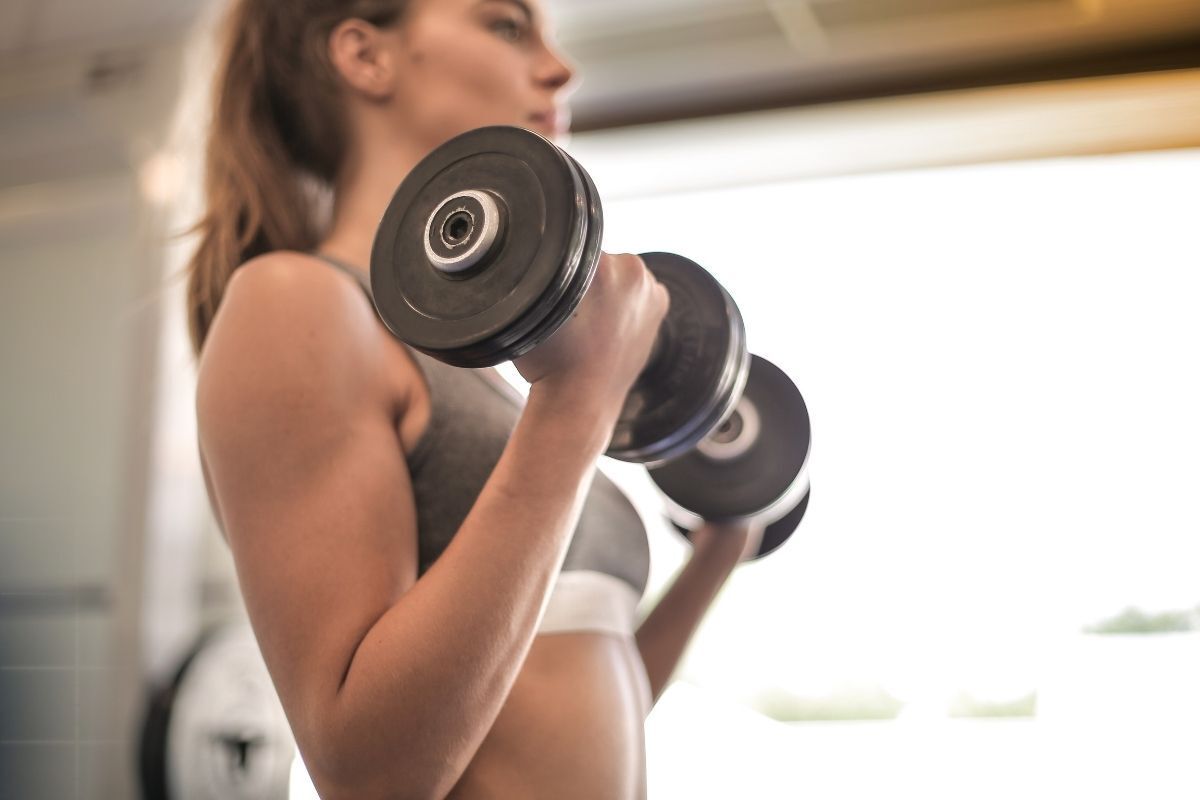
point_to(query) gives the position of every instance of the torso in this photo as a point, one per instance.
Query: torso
(573, 724)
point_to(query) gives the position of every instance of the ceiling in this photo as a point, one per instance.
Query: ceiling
(668, 59)
(33, 28)
(646, 60)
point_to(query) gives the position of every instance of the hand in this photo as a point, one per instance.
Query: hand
(606, 343)
(736, 541)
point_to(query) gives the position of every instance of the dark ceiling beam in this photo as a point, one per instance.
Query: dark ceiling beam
(1181, 53)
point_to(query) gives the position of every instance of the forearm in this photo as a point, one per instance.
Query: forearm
(664, 635)
(430, 677)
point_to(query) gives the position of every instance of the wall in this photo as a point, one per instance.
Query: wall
(80, 258)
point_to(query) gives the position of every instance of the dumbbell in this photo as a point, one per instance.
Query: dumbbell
(753, 466)
(488, 246)
(486, 249)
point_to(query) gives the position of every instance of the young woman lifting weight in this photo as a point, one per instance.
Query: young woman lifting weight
(442, 586)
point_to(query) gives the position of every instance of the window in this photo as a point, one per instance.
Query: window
(1001, 366)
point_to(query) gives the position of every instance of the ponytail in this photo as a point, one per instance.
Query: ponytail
(277, 130)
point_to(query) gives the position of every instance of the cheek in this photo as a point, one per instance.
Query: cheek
(456, 79)
(490, 74)
(467, 74)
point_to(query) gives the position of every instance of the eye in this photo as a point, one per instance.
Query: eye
(508, 28)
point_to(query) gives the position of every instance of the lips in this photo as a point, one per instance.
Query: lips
(550, 121)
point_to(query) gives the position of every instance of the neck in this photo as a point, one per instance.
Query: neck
(365, 186)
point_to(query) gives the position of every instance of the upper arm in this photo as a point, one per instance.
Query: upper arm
(299, 433)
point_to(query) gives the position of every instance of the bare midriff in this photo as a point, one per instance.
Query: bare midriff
(572, 725)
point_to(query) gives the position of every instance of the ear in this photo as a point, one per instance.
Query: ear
(360, 56)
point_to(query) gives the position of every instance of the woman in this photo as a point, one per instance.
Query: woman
(442, 587)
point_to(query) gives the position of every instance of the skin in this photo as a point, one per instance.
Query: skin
(394, 686)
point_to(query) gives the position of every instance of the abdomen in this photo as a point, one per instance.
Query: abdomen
(573, 724)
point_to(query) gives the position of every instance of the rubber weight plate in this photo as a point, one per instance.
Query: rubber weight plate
(697, 370)
(486, 247)
(775, 534)
(218, 731)
(555, 316)
(753, 464)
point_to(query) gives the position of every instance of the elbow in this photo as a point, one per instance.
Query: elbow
(389, 784)
(362, 767)
(397, 780)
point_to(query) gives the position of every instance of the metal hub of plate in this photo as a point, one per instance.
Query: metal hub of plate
(735, 435)
(463, 231)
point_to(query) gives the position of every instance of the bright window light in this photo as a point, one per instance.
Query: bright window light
(1001, 366)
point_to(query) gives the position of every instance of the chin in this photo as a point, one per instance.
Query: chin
(558, 137)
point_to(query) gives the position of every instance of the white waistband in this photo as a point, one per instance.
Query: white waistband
(586, 600)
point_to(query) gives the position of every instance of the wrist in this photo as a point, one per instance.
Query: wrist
(717, 549)
(581, 413)
(726, 543)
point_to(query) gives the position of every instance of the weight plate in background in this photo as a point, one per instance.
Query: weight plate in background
(217, 731)
(499, 308)
(754, 462)
(697, 372)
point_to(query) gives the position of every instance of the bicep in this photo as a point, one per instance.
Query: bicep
(306, 466)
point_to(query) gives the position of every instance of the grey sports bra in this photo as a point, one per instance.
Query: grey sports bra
(472, 417)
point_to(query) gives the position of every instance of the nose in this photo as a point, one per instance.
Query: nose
(555, 71)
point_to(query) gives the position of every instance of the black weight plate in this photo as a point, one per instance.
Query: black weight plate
(776, 533)
(697, 371)
(764, 472)
(152, 741)
(555, 316)
(228, 737)
(781, 529)
(482, 318)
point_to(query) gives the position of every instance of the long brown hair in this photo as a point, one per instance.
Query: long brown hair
(277, 121)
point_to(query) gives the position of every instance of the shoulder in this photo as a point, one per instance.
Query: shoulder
(284, 282)
(288, 294)
(290, 326)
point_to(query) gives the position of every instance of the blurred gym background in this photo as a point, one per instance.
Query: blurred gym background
(966, 228)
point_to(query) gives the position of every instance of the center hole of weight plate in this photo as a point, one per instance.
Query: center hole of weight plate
(462, 231)
(457, 228)
(729, 430)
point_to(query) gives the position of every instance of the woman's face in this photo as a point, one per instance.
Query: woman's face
(470, 63)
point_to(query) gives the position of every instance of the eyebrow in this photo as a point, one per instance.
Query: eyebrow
(521, 4)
